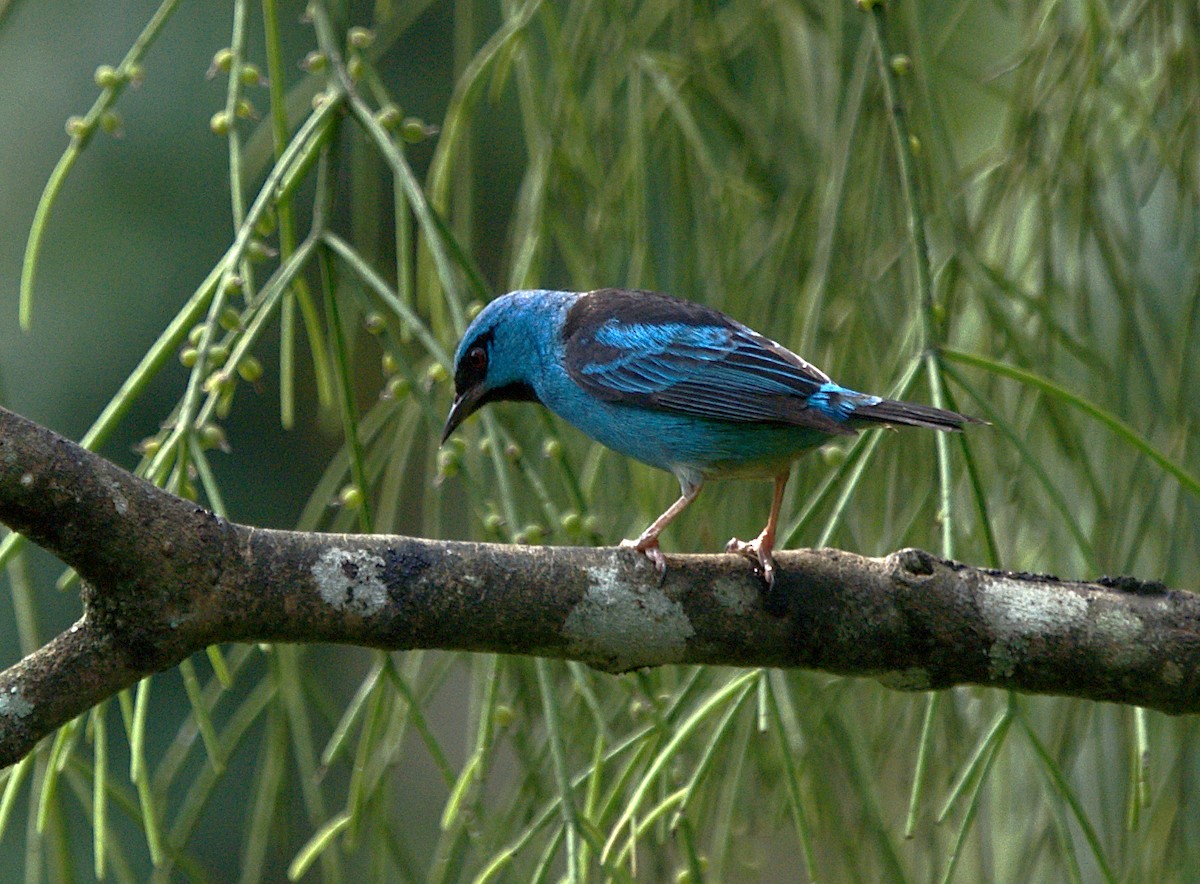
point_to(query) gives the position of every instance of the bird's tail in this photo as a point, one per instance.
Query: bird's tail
(909, 414)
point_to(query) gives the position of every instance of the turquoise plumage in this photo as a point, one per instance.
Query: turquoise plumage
(671, 383)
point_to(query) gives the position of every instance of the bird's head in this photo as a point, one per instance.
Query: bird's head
(498, 355)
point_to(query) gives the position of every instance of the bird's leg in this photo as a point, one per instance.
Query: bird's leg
(759, 550)
(647, 542)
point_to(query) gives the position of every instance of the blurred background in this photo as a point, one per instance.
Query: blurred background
(744, 155)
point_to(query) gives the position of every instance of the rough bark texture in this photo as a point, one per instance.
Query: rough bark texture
(163, 578)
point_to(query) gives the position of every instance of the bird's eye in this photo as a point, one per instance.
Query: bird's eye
(477, 360)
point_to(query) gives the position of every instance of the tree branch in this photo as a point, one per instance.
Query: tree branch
(164, 578)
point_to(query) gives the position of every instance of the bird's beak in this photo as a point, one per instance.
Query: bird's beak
(465, 404)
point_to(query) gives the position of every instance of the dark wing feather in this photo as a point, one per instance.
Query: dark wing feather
(656, 351)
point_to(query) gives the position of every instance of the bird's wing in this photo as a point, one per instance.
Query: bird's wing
(657, 351)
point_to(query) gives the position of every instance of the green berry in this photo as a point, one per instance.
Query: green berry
(110, 122)
(389, 116)
(106, 77)
(218, 382)
(257, 250)
(225, 398)
(250, 369)
(222, 61)
(212, 436)
(252, 76)
(414, 130)
(448, 463)
(360, 38)
(833, 456)
(78, 127)
(397, 388)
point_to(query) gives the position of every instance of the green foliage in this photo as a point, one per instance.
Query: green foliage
(964, 203)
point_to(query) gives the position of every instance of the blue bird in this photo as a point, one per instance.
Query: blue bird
(672, 383)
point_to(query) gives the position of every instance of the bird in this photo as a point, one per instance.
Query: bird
(671, 383)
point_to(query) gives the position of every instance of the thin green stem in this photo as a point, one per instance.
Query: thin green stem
(919, 255)
(298, 291)
(1114, 424)
(566, 804)
(126, 72)
(347, 409)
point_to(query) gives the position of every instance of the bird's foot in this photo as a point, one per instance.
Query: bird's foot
(757, 551)
(649, 548)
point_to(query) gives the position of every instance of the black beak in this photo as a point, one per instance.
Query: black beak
(465, 404)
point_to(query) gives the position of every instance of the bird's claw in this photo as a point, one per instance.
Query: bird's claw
(649, 548)
(757, 552)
